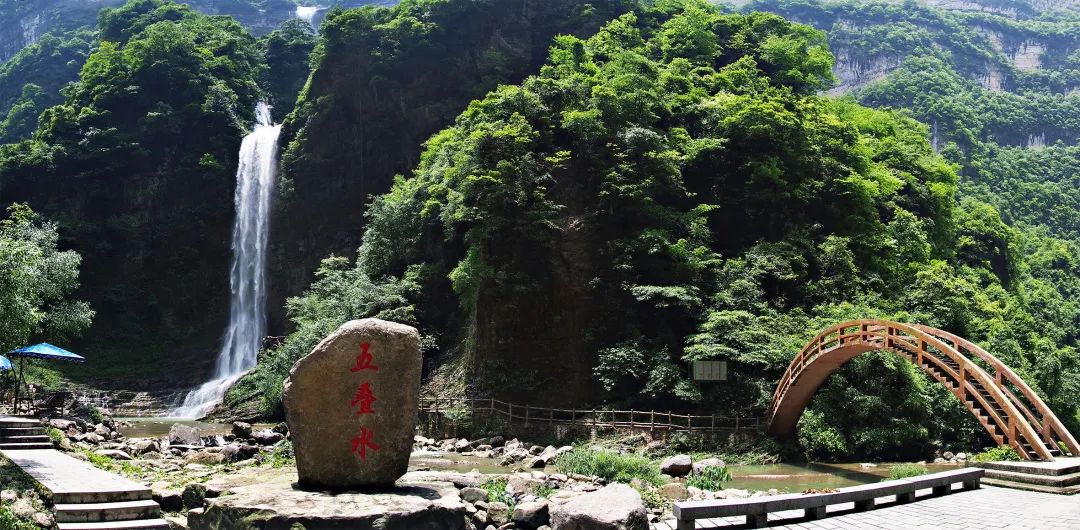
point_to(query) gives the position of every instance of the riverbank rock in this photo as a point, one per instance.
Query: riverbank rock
(677, 466)
(351, 405)
(267, 498)
(614, 507)
(701, 465)
(241, 429)
(184, 435)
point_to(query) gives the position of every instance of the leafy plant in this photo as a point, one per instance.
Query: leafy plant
(8, 521)
(710, 478)
(496, 490)
(609, 466)
(997, 454)
(898, 471)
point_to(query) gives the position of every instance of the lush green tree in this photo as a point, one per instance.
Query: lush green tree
(37, 281)
(137, 164)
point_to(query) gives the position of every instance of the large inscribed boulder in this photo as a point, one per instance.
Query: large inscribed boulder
(351, 405)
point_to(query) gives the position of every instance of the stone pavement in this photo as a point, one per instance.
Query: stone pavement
(982, 509)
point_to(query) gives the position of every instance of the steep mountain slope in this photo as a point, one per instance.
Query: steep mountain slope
(383, 81)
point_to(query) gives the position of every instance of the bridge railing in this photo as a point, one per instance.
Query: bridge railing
(648, 420)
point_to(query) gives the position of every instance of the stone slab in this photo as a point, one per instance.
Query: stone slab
(269, 499)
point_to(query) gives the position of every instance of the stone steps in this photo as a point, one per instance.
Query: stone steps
(143, 524)
(106, 511)
(22, 434)
(1057, 481)
(100, 496)
(25, 446)
(1070, 490)
(1063, 466)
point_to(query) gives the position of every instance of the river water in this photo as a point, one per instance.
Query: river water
(789, 477)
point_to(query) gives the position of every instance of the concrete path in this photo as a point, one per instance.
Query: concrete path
(982, 509)
(85, 497)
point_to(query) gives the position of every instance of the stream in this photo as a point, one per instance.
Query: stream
(787, 477)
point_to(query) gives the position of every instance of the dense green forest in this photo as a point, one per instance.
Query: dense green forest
(674, 189)
(572, 200)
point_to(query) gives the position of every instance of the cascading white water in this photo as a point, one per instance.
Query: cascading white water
(255, 179)
(307, 14)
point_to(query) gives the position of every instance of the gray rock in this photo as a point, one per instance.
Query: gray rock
(614, 507)
(170, 500)
(114, 454)
(195, 495)
(531, 514)
(473, 495)
(63, 425)
(90, 438)
(273, 502)
(241, 429)
(23, 508)
(282, 429)
(480, 517)
(148, 445)
(351, 405)
(947, 455)
(677, 466)
(42, 519)
(701, 465)
(498, 513)
(184, 435)
(675, 491)
(267, 437)
(961, 456)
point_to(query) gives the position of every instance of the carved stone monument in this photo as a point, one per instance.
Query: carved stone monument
(351, 405)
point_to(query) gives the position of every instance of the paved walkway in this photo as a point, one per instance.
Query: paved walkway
(982, 509)
(71, 480)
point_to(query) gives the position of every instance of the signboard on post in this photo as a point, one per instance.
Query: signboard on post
(708, 370)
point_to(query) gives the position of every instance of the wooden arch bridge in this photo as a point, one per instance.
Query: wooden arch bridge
(1008, 408)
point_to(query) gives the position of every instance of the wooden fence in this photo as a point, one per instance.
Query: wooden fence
(646, 420)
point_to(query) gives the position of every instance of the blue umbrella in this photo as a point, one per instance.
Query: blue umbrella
(5, 364)
(46, 351)
(39, 351)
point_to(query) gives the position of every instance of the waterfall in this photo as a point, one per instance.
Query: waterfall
(255, 179)
(307, 14)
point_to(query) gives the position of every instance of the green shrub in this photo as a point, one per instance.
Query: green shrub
(899, 471)
(710, 478)
(1063, 448)
(544, 491)
(8, 521)
(496, 490)
(997, 454)
(609, 466)
(282, 455)
(55, 435)
(652, 498)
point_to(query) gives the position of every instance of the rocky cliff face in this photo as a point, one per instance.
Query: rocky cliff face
(22, 23)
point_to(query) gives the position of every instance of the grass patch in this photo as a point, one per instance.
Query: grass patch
(710, 478)
(610, 466)
(997, 454)
(899, 471)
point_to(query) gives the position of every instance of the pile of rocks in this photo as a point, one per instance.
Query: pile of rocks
(948, 457)
(89, 434)
(513, 453)
(425, 499)
(26, 505)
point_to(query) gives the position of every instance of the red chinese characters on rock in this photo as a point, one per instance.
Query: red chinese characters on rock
(364, 397)
(361, 443)
(363, 359)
